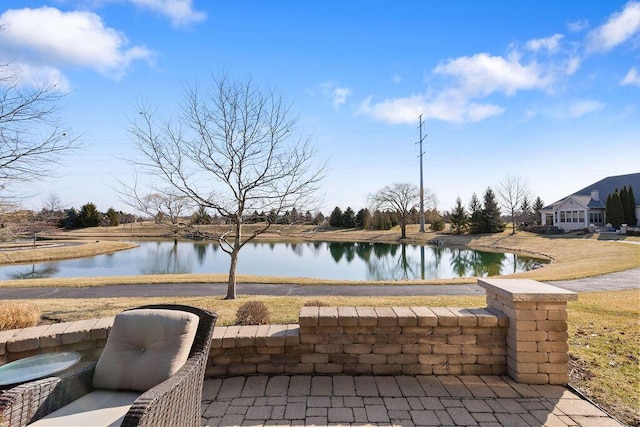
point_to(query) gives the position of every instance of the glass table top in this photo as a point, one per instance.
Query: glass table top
(40, 366)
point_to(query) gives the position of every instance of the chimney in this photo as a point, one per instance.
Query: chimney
(595, 195)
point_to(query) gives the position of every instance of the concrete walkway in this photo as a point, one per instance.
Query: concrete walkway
(393, 400)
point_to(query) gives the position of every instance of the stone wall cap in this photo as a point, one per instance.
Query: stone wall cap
(527, 290)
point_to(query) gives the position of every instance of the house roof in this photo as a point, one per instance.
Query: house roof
(608, 185)
(605, 187)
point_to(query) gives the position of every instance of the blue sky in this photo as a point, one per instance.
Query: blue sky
(545, 90)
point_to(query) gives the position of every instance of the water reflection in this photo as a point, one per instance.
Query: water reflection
(325, 260)
(35, 272)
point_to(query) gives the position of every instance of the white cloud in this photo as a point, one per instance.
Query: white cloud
(180, 12)
(338, 95)
(583, 107)
(460, 88)
(632, 78)
(25, 74)
(482, 74)
(448, 107)
(551, 44)
(47, 38)
(577, 26)
(619, 28)
(470, 79)
(572, 110)
(571, 65)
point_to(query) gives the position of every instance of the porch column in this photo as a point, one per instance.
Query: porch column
(537, 348)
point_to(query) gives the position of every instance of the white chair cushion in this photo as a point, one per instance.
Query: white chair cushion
(144, 348)
(98, 408)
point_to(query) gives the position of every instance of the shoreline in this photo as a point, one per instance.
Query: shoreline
(570, 256)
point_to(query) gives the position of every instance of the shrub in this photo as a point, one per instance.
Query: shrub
(16, 315)
(252, 313)
(315, 303)
(438, 225)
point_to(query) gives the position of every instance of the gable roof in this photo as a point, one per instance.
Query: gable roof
(608, 185)
(605, 187)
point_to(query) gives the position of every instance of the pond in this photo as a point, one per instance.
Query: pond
(322, 260)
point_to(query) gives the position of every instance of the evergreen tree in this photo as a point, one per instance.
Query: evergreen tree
(294, 217)
(348, 218)
(476, 215)
(614, 211)
(633, 219)
(113, 217)
(202, 216)
(526, 211)
(491, 212)
(319, 219)
(438, 225)
(71, 219)
(538, 204)
(308, 218)
(89, 216)
(624, 201)
(335, 219)
(459, 218)
(363, 218)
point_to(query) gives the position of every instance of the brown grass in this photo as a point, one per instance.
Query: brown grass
(58, 250)
(604, 339)
(282, 310)
(16, 315)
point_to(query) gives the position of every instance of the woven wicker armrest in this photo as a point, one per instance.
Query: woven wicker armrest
(172, 402)
(31, 401)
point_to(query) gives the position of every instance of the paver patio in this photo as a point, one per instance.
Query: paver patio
(393, 400)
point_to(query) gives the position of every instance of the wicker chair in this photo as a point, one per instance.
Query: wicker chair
(173, 402)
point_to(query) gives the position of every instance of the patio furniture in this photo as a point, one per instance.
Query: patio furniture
(150, 373)
(35, 367)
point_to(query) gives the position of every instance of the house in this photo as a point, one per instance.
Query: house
(586, 207)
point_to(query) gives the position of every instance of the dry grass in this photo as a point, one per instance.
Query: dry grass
(59, 250)
(282, 310)
(16, 315)
(604, 339)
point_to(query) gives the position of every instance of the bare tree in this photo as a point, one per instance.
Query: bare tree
(401, 199)
(166, 206)
(53, 203)
(232, 149)
(32, 138)
(512, 190)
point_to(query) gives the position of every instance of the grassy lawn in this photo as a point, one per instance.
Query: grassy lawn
(604, 327)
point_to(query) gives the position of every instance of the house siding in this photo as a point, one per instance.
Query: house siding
(571, 215)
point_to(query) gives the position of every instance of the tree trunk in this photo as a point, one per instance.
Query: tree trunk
(237, 240)
(403, 228)
(231, 287)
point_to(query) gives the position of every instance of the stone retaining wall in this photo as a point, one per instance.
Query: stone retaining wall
(522, 332)
(367, 340)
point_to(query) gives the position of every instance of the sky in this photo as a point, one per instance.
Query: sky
(546, 91)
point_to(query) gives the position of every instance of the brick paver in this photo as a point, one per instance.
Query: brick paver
(404, 400)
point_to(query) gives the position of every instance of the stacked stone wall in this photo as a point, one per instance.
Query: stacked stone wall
(522, 332)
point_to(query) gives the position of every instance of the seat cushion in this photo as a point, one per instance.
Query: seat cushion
(144, 348)
(98, 408)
